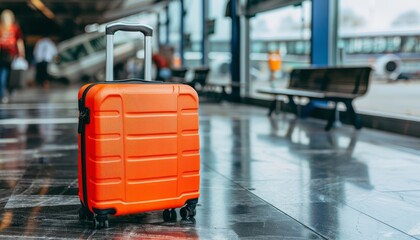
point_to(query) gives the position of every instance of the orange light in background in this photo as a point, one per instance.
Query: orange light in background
(274, 61)
(42, 8)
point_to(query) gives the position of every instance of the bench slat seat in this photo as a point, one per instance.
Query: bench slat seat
(293, 92)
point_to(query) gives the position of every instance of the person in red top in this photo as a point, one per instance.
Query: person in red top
(163, 64)
(163, 71)
(11, 46)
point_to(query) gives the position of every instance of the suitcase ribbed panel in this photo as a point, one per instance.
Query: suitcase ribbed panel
(188, 151)
(142, 146)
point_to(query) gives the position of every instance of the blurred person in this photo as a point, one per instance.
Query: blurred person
(44, 52)
(163, 71)
(167, 52)
(11, 46)
(274, 63)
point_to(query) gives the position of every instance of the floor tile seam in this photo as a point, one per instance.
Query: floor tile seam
(268, 203)
(404, 149)
(398, 147)
(400, 191)
(373, 134)
(19, 183)
(396, 199)
(378, 220)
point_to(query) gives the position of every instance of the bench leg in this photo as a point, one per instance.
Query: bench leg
(293, 105)
(223, 95)
(355, 119)
(331, 119)
(272, 107)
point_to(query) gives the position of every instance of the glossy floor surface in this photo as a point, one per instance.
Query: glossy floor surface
(261, 179)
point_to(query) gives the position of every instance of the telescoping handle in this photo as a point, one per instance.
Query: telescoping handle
(147, 31)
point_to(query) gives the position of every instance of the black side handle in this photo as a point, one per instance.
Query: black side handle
(112, 28)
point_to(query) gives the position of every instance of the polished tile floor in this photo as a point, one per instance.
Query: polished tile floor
(261, 178)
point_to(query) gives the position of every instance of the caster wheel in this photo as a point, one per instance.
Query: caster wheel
(166, 215)
(187, 212)
(82, 214)
(173, 215)
(192, 212)
(184, 213)
(106, 224)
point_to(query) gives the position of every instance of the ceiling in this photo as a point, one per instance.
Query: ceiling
(71, 16)
(258, 6)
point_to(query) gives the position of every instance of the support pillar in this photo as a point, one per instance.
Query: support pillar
(182, 33)
(235, 52)
(324, 39)
(158, 28)
(324, 32)
(168, 23)
(204, 37)
(245, 59)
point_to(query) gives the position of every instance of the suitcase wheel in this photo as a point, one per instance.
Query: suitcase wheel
(188, 211)
(100, 221)
(169, 215)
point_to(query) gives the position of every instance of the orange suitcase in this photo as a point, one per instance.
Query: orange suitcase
(138, 144)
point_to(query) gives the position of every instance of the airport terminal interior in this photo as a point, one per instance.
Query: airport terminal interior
(308, 119)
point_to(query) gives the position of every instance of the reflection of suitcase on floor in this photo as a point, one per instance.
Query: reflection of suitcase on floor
(138, 144)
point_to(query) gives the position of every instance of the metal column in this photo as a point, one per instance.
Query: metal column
(168, 23)
(204, 39)
(182, 31)
(324, 32)
(333, 33)
(245, 59)
(158, 29)
(324, 36)
(320, 40)
(235, 49)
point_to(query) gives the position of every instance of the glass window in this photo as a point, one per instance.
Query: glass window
(283, 48)
(379, 45)
(409, 44)
(418, 45)
(357, 45)
(367, 45)
(280, 41)
(381, 34)
(258, 47)
(307, 48)
(300, 47)
(219, 56)
(220, 46)
(272, 46)
(348, 46)
(196, 46)
(393, 44)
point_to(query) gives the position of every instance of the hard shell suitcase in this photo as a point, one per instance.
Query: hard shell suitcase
(138, 144)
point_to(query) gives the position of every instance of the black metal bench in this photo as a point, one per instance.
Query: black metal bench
(200, 78)
(178, 74)
(332, 84)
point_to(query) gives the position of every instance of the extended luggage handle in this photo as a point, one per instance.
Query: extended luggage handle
(147, 31)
